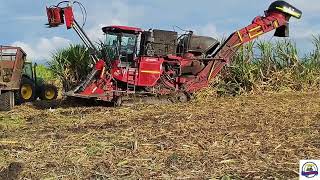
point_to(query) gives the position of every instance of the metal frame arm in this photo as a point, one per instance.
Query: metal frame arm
(259, 26)
(86, 40)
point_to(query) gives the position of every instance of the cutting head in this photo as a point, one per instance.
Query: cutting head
(289, 11)
(286, 8)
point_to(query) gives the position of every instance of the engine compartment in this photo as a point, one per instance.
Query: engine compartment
(157, 42)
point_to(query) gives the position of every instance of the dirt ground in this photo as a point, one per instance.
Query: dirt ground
(246, 137)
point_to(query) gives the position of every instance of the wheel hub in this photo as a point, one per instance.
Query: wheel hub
(49, 93)
(26, 91)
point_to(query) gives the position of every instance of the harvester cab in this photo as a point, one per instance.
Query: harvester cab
(122, 43)
(159, 62)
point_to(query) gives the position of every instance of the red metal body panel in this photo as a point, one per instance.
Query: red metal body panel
(122, 28)
(147, 74)
(120, 73)
(93, 89)
(69, 17)
(102, 89)
(57, 16)
(54, 16)
(150, 69)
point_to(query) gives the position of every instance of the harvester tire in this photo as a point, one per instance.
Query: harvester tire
(117, 102)
(48, 92)
(182, 97)
(27, 91)
(6, 101)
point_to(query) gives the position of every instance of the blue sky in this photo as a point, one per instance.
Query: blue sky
(23, 21)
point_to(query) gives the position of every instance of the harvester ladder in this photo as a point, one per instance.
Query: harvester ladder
(131, 80)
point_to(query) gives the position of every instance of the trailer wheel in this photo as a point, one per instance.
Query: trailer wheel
(48, 92)
(7, 101)
(27, 91)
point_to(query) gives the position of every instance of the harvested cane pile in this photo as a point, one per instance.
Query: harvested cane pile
(245, 137)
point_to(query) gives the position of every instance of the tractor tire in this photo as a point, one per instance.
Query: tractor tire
(48, 92)
(27, 91)
(7, 101)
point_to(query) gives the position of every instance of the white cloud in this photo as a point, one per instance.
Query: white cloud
(116, 12)
(209, 30)
(41, 50)
(95, 33)
(300, 32)
(206, 30)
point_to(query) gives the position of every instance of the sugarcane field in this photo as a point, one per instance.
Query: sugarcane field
(119, 89)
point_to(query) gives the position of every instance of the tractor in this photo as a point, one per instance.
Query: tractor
(18, 80)
(160, 62)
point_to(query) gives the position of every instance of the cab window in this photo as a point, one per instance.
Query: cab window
(8, 54)
(27, 70)
(112, 44)
(128, 43)
(121, 44)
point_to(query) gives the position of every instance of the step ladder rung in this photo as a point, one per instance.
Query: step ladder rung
(131, 80)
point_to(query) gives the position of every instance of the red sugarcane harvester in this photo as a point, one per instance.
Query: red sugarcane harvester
(159, 62)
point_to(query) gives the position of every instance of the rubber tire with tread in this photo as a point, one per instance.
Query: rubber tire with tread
(19, 98)
(117, 101)
(7, 101)
(45, 87)
(182, 97)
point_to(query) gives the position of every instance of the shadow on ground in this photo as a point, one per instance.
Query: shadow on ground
(12, 171)
(69, 103)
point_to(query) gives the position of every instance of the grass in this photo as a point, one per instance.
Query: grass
(45, 73)
(245, 137)
(8, 122)
(271, 66)
(70, 65)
